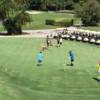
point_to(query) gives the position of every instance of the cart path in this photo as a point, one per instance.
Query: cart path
(33, 33)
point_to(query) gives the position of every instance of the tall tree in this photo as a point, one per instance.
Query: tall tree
(13, 15)
(89, 12)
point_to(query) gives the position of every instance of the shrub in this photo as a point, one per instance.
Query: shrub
(89, 12)
(13, 15)
(64, 23)
(50, 22)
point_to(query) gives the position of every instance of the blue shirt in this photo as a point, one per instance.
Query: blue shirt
(71, 55)
(40, 56)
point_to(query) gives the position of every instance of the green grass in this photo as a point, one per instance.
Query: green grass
(38, 20)
(2, 28)
(92, 28)
(21, 79)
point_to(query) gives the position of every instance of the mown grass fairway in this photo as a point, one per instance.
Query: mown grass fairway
(21, 79)
(38, 20)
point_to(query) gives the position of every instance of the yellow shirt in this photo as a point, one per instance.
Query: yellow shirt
(98, 67)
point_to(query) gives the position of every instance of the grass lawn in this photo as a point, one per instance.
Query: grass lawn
(21, 79)
(38, 20)
(1, 28)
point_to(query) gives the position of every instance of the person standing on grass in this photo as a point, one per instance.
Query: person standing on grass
(58, 40)
(71, 55)
(98, 66)
(40, 58)
(51, 40)
(48, 41)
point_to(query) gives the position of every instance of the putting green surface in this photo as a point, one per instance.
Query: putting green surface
(22, 79)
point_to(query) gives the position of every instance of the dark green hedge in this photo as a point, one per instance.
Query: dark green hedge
(50, 22)
(59, 23)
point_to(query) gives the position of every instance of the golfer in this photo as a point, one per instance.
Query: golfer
(40, 58)
(71, 55)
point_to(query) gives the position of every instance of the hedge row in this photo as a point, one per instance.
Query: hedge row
(65, 23)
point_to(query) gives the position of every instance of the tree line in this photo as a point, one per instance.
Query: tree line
(53, 4)
(87, 10)
(13, 12)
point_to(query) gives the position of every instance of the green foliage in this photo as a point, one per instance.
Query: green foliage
(11, 27)
(89, 12)
(78, 10)
(13, 15)
(53, 4)
(76, 1)
(69, 4)
(63, 23)
(50, 22)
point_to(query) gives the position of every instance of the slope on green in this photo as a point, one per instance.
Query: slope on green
(21, 79)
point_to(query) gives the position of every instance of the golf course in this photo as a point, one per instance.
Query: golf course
(22, 79)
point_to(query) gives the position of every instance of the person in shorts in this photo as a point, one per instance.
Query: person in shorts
(40, 58)
(71, 55)
(58, 40)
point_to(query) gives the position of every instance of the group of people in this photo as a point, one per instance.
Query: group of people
(49, 40)
(59, 42)
(48, 44)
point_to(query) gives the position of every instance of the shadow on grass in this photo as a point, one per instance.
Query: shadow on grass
(96, 79)
(68, 64)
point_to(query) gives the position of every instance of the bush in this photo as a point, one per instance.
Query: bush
(64, 23)
(89, 12)
(50, 22)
